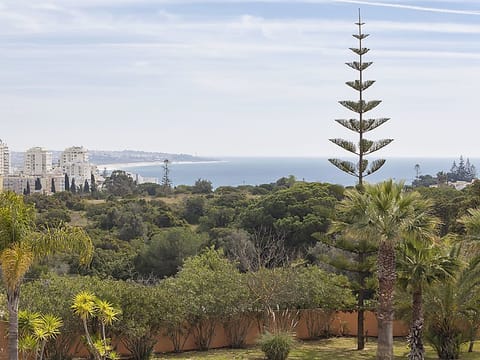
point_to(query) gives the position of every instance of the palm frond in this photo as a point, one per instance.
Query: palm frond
(15, 262)
(61, 240)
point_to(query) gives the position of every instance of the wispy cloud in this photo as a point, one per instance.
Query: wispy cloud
(411, 7)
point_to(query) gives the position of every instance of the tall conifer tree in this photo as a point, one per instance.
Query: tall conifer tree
(73, 187)
(93, 185)
(86, 186)
(360, 125)
(359, 263)
(67, 183)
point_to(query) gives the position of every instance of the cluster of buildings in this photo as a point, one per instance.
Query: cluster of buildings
(41, 174)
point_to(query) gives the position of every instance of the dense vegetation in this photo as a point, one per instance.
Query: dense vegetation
(239, 256)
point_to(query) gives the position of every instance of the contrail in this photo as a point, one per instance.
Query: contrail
(411, 7)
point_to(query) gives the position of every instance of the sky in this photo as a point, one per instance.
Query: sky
(237, 77)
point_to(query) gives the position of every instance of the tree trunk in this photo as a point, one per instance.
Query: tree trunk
(12, 305)
(386, 283)
(417, 351)
(361, 307)
(360, 322)
(470, 346)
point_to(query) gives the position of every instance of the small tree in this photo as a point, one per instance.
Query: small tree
(355, 258)
(320, 295)
(35, 331)
(212, 286)
(86, 186)
(73, 187)
(421, 264)
(93, 184)
(87, 306)
(175, 311)
(38, 184)
(67, 183)
(202, 186)
(166, 184)
(142, 317)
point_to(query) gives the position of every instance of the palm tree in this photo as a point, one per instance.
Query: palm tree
(420, 264)
(21, 244)
(453, 315)
(387, 214)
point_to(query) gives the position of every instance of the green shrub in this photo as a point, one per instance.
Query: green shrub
(276, 346)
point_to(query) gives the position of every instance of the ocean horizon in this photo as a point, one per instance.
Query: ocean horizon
(235, 171)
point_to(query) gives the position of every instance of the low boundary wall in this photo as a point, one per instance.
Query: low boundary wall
(342, 324)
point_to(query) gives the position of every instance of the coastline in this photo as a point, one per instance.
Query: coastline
(122, 166)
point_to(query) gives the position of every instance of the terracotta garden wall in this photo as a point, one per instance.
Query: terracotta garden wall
(342, 324)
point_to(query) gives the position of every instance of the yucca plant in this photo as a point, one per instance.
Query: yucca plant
(35, 330)
(87, 306)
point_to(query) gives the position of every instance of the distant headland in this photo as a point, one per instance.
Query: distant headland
(103, 157)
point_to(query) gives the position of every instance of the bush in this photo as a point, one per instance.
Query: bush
(276, 346)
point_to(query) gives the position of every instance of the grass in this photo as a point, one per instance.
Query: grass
(327, 349)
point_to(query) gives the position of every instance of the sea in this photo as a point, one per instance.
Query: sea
(235, 171)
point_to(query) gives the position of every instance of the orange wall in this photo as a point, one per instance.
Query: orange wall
(347, 319)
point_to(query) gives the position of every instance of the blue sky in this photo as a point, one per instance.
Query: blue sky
(236, 77)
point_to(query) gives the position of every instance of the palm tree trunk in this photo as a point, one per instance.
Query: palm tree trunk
(12, 305)
(386, 283)
(417, 351)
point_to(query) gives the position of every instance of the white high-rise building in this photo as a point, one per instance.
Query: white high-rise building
(38, 161)
(74, 154)
(74, 163)
(4, 159)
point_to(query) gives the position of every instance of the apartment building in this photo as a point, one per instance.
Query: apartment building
(74, 162)
(4, 159)
(37, 162)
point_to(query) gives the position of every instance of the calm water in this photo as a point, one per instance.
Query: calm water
(254, 171)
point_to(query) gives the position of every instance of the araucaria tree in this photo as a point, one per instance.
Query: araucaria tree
(360, 125)
(361, 168)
